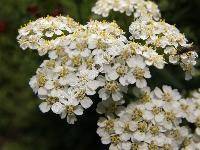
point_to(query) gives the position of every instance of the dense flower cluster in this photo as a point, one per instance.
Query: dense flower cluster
(137, 7)
(97, 59)
(166, 40)
(42, 34)
(90, 59)
(191, 109)
(72, 74)
(154, 121)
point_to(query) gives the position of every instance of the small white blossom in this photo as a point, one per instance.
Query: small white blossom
(139, 71)
(136, 7)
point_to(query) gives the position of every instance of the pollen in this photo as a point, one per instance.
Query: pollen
(139, 73)
(112, 86)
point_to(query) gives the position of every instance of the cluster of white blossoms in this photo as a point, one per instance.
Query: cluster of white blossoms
(97, 59)
(191, 109)
(42, 34)
(167, 41)
(66, 81)
(136, 7)
(155, 121)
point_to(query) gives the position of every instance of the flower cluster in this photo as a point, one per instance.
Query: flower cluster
(137, 7)
(191, 109)
(66, 81)
(166, 40)
(42, 34)
(89, 59)
(154, 121)
(97, 59)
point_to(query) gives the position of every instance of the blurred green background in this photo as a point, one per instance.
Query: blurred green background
(22, 126)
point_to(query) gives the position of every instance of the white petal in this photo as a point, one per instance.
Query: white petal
(103, 95)
(126, 145)
(78, 111)
(141, 83)
(147, 74)
(42, 91)
(123, 81)
(113, 75)
(139, 136)
(44, 107)
(93, 84)
(57, 108)
(131, 62)
(132, 126)
(71, 119)
(158, 92)
(49, 85)
(125, 136)
(167, 89)
(159, 118)
(63, 115)
(131, 79)
(86, 102)
(106, 139)
(198, 131)
(117, 96)
(148, 115)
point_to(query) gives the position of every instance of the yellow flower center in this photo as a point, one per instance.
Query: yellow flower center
(156, 110)
(101, 45)
(152, 146)
(81, 46)
(142, 126)
(41, 80)
(167, 147)
(145, 98)
(115, 139)
(109, 125)
(80, 94)
(175, 134)
(154, 129)
(50, 64)
(121, 70)
(76, 60)
(167, 97)
(51, 100)
(135, 146)
(170, 116)
(139, 73)
(112, 86)
(64, 72)
(69, 110)
(137, 114)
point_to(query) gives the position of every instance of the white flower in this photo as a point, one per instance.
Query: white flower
(70, 111)
(32, 35)
(44, 107)
(117, 71)
(49, 103)
(154, 112)
(139, 71)
(78, 95)
(167, 41)
(97, 61)
(57, 108)
(153, 58)
(112, 89)
(105, 126)
(125, 126)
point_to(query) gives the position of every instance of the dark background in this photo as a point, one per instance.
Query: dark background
(22, 125)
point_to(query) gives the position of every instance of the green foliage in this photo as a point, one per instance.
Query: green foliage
(22, 126)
